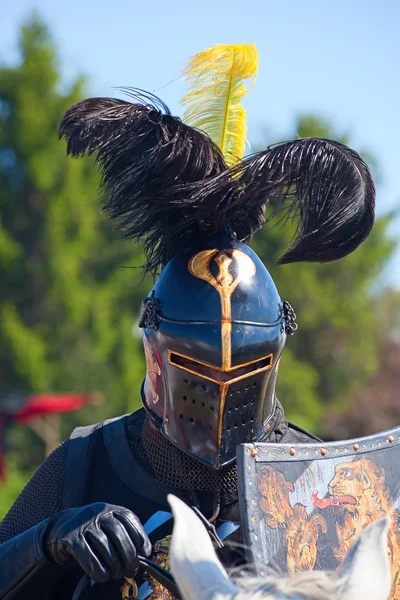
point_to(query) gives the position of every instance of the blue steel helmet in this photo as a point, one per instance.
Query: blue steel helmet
(214, 330)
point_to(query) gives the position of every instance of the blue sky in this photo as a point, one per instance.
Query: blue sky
(339, 59)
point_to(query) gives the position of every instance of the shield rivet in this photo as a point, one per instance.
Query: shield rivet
(356, 447)
(390, 439)
(323, 451)
(253, 452)
(292, 451)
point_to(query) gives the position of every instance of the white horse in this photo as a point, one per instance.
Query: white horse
(364, 574)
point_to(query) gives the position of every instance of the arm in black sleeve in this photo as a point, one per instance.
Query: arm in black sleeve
(24, 568)
(102, 540)
(22, 561)
(40, 498)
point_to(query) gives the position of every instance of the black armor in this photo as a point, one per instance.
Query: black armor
(124, 462)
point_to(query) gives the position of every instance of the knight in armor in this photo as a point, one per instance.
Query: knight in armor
(214, 326)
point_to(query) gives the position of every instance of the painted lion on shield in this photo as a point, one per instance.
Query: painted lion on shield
(359, 493)
(275, 501)
(301, 531)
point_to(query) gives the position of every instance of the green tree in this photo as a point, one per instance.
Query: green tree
(67, 307)
(339, 335)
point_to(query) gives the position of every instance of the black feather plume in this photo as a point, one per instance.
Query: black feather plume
(165, 182)
(322, 184)
(148, 159)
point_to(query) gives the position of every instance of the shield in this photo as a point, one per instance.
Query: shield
(302, 505)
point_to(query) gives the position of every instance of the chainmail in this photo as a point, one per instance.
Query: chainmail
(42, 495)
(173, 467)
(40, 498)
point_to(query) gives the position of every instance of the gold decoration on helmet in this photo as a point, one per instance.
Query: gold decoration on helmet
(225, 284)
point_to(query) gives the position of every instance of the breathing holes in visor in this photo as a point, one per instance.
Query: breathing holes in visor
(241, 391)
(239, 424)
(193, 421)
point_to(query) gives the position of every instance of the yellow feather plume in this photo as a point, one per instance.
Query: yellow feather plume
(216, 88)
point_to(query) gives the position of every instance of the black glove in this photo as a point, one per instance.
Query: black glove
(104, 539)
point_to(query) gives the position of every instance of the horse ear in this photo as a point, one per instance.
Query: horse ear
(365, 572)
(194, 563)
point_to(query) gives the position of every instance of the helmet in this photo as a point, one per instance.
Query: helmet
(214, 326)
(214, 332)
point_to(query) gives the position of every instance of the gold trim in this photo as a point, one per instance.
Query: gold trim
(225, 284)
(223, 385)
(199, 266)
(221, 370)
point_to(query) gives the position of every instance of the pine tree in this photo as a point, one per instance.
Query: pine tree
(67, 305)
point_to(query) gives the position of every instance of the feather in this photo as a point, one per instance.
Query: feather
(165, 183)
(323, 185)
(216, 88)
(147, 159)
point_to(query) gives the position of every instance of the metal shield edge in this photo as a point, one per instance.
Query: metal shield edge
(248, 455)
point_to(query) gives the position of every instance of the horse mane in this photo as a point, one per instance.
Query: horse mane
(308, 585)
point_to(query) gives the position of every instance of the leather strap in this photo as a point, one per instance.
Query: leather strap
(75, 467)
